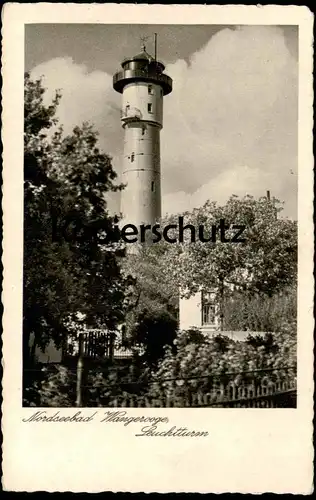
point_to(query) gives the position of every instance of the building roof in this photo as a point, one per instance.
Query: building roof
(142, 56)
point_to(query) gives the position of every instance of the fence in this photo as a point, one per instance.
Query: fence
(264, 388)
(96, 345)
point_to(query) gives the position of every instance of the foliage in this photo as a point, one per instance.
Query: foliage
(199, 363)
(150, 290)
(260, 313)
(116, 382)
(55, 385)
(68, 268)
(151, 320)
(265, 263)
(153, 332)
(192, 336)
(52, 386)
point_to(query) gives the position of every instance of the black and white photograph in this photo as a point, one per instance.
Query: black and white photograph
(187, 134)
(158, 236)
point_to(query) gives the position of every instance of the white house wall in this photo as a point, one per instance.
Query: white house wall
(190, 312)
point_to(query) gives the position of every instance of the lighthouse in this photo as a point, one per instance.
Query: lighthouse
(143, 84)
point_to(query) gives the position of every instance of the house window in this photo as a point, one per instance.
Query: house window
(208, 308)
(150, 107)
(150, 89)
(132, 157)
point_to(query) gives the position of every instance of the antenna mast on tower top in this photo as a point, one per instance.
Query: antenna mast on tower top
(155, 38)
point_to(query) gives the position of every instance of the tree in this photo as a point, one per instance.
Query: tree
(265, 263)
(153, 331)
(151, 319)
(68, 267)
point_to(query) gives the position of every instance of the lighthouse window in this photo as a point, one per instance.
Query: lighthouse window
(132, 157)
(150, 107)
(153, 186)
(150, 89)
(143, 130)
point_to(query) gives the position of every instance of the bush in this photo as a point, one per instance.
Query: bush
(153, 332)
(260, 313)
(53, 386)
(194, 357)
(220, 356)
(116, 382)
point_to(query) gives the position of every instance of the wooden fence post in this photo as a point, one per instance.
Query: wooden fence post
(111, 346)
(79, 373)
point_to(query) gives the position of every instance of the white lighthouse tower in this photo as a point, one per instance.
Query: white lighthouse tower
(142, 84)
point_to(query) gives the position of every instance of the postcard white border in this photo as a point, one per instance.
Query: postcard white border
(247, 451)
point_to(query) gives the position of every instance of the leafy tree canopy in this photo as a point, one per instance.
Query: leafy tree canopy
(67, 267)
(265, 263)
(151, 319)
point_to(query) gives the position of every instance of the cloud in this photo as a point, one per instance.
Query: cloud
(85, 97)
(234, 104)
(241, 181)
(230, 124)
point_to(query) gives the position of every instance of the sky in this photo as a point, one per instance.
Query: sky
(230, 123)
